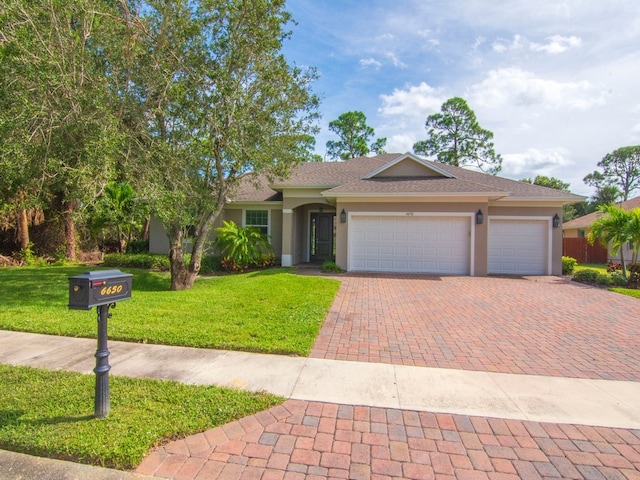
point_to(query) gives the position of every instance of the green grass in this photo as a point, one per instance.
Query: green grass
(631, 292)
(600, 267)
(271, 311)
(50, 414)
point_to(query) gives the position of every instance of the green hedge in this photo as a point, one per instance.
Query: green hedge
(156, 262)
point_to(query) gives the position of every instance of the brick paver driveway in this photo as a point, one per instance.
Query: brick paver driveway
(533, 325)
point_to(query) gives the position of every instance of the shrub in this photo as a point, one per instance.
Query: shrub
(604, 279)
(330, 266)
(588, 275)
(210, 264)
(138, 246)
(139, 260)
(614, 267)
(618, 280)
(634, 273)
(568, 265)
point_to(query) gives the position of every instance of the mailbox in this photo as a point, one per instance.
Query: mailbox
(92, 289)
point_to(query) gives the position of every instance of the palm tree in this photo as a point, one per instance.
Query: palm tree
(634, 232)
(613, 228)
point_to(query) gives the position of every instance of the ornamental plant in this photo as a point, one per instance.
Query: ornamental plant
(242, 247)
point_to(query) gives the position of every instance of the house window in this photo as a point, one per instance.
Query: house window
(580, 233)
(258, 219)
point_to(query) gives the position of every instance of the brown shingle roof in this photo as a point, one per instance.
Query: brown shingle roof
(255, 188)
(409, 185)
(346, 177)
(586, 220)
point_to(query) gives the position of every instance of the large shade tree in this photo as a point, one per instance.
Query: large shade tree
(220, 102)
(456, 138)
(354, 136)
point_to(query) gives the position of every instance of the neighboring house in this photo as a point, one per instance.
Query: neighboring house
(579, 227)
(401, 213)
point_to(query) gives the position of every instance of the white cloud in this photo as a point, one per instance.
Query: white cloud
(414, 101)
(370, 62)
(534, 161)
(513, 86)
(402, 142)
(478, 43)
(555, 44)
(396, 61)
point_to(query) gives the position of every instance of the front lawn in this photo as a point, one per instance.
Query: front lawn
(50, 414)
(271, 311)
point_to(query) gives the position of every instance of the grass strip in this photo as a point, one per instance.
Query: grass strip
(50, 414)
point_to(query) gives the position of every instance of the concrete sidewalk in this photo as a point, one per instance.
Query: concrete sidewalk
(519, 397)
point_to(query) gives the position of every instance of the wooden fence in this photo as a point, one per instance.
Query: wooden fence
(583, 252)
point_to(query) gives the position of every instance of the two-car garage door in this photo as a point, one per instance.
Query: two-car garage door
(442, 244)
(419, 244)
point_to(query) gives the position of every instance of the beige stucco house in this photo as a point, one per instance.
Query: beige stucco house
(402, 213)
(579, 228)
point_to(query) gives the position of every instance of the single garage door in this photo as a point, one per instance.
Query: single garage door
(414, 244)
(518, 247)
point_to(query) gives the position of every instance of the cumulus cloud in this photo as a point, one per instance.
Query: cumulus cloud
(513, 86)
(414, 101)
(534, 161)
(555, 44)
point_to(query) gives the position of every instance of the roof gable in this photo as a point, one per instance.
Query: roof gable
(408, 165)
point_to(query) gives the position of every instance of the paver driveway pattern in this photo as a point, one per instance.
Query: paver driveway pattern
(314, 441)
(533, 325)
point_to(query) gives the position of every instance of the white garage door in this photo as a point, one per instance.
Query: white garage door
(518, 247)
(409, 244)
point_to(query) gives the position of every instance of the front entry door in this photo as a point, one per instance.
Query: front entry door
(322, 230)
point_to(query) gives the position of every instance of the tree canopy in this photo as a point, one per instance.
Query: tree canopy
(456, 138)
(549, 182)
(180, 99)
(355, 135)
(620, 169)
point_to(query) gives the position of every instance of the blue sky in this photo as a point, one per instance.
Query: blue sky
(558, 83)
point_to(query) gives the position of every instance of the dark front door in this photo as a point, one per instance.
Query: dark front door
(322, 231)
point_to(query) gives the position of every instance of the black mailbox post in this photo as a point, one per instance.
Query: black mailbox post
(101, 289)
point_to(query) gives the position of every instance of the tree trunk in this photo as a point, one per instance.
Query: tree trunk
(23, 229)
(145, 229)
(182, 277)
(69, 230)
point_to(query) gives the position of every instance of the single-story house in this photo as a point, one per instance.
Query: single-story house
(579, 227)
(402, 213)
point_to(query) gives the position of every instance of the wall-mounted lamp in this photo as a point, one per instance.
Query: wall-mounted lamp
(479, 217)
(556, 221)
(343, 216)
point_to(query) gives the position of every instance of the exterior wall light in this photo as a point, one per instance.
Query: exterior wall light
(343, 216)
(479, 217)
(556, 221)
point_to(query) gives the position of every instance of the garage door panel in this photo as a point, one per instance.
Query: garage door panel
(438, 245)
(518, 247)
